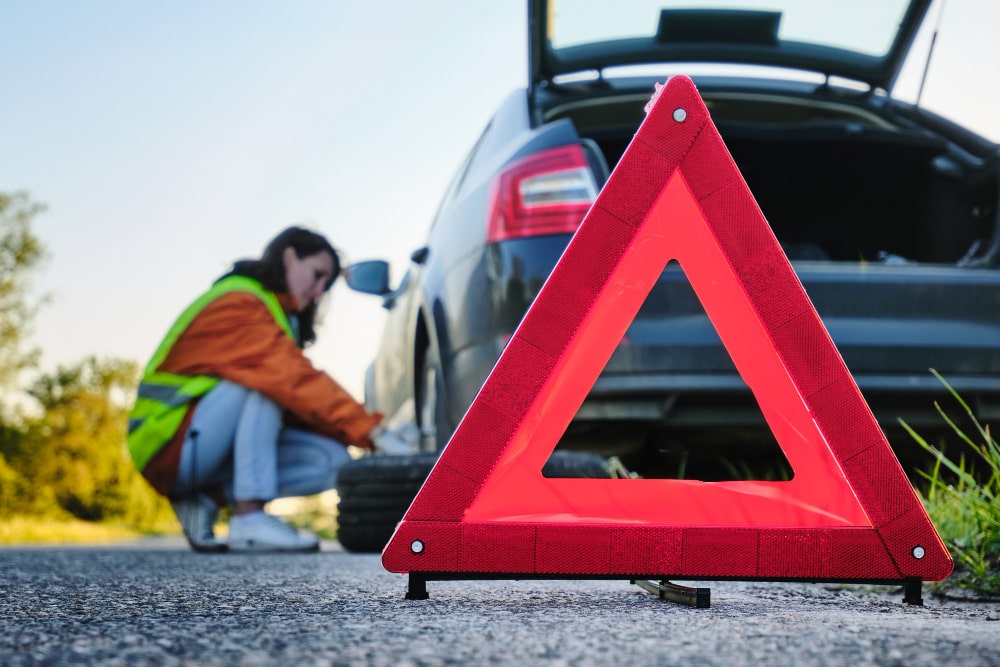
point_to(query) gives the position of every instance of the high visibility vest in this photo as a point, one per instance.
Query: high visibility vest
(163, 398)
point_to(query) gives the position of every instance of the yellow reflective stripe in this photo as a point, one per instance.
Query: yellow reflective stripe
(158, 392)
(180, 393)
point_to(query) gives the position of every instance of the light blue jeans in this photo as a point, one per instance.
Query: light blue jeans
(237, 442)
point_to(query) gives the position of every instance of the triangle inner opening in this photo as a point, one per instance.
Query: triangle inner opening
(670, 403)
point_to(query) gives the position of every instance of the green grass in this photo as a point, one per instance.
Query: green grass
(962, 497)
(313, 513)
(38, 530)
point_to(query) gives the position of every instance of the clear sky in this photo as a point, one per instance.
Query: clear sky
(169, 138)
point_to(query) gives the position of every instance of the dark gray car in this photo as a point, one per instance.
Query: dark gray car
(887, 212)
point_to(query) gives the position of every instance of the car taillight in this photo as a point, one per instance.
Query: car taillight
(545, 193)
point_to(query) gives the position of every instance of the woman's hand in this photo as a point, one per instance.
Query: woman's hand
(392, 442)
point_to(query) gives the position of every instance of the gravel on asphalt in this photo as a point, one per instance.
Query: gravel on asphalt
(156, 603)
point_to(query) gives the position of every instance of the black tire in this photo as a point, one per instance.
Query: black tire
(376, 491)
(364, 538)
(576, 465)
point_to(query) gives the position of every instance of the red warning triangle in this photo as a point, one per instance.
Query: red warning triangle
(849, 512)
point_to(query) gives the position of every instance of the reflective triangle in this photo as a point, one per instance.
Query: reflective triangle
(849, 511)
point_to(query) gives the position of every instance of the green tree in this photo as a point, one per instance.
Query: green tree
(67, 458)
(77, 455)
(16, 496)
(21, 252)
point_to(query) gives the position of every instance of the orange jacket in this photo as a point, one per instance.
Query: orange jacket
(237, 339)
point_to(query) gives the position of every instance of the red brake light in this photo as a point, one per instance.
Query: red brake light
(545, 193)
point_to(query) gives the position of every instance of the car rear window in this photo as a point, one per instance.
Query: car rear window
(861, 26)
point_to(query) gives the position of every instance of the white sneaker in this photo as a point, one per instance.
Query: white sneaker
(259, 531)
(198, 515)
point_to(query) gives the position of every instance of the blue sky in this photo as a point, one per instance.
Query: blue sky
(170, 138)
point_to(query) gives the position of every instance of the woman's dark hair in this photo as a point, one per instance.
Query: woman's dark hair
(269, 270)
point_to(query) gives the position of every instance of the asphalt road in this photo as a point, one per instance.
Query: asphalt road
(156, 603)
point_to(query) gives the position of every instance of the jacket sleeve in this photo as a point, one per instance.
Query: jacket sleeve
(236, 338)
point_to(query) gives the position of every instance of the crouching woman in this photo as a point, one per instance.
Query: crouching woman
(230, 410)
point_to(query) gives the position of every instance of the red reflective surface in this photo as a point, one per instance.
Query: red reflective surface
(818, 495)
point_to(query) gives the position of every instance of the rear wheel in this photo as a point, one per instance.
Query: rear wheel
(376, 491)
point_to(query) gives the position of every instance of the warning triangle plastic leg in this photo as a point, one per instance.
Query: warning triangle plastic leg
(417, 588)
(912, 592)
(671, 592)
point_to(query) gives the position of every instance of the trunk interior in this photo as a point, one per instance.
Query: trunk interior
(838, 183)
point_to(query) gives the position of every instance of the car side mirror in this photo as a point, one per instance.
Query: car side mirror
(368, 277)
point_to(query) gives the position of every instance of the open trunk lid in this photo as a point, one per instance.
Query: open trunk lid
(858, 40)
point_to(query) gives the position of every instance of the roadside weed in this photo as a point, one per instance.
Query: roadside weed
(963, 500)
